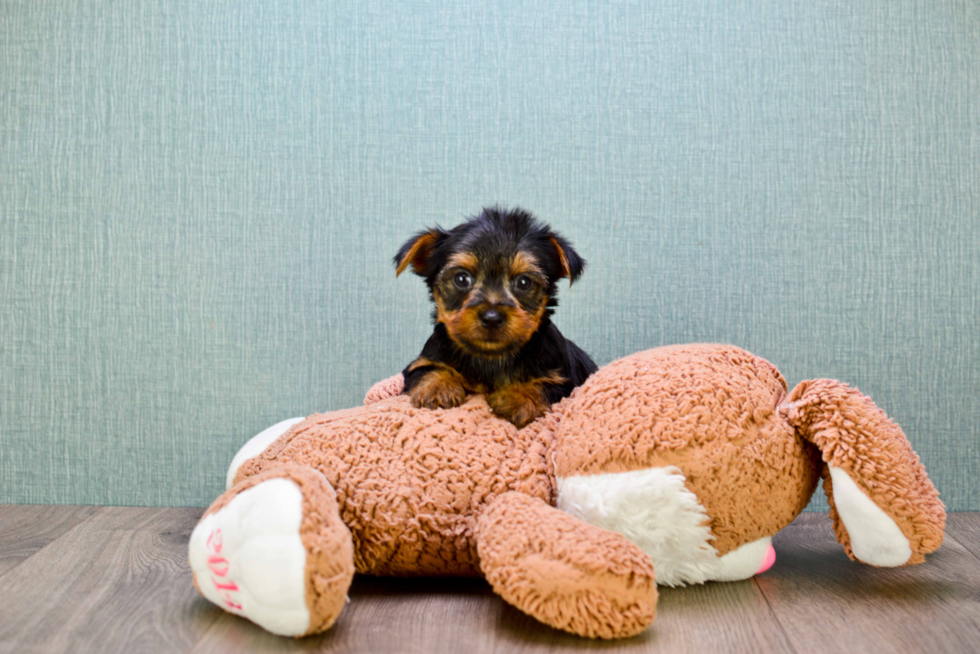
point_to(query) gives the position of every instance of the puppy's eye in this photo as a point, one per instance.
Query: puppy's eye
(523, 283)
(462, 280)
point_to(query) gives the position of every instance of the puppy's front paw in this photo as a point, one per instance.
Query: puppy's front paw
(439, 389)
(519, 404)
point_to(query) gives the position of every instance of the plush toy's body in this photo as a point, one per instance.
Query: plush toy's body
(676, 465)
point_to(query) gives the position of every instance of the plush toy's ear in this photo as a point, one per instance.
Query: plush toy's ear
(417, 251)
(572, 264)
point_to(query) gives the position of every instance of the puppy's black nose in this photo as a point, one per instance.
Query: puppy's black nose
(491, 318)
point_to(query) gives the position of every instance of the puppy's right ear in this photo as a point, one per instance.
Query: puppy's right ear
(417, 251)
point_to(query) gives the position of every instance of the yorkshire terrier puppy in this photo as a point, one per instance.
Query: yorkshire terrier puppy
(493, 281)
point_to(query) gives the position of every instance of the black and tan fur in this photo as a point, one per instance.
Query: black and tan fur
(493, 281)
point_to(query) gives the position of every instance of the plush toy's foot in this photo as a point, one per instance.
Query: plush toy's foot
(564, 572)
(885, 510)
(743, 562)
(274, 550)
(256, 445)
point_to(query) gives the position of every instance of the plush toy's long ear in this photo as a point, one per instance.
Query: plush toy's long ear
(417, 251)
(572, 264)
(885, 510)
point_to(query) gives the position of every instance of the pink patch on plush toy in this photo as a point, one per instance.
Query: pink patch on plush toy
(767, 560)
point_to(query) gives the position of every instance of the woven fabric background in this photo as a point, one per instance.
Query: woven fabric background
(199, 203)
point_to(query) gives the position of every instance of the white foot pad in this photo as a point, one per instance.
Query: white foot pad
(256, 446)
(875, 538)
(744, 562)
(249, 559)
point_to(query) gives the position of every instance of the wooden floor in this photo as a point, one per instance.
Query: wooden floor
(90, 579)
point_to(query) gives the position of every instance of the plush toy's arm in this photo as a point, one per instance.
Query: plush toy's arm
(565, 572)
(385, 388)
(885, 510)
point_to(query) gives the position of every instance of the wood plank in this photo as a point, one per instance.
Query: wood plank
(118, 582)
(430, 616)
(423, 616)
(24, 529)
(715, 617)
(965, 528)
(826, 602)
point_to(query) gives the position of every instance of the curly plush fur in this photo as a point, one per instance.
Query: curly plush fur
(707, 433)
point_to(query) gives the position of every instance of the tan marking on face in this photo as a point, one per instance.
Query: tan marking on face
(444, 315)
(465, 328)
(464, 325)
(524, 263)
(524, 323)
(466, 260)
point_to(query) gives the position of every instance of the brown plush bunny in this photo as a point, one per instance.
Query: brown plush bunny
(683, 460)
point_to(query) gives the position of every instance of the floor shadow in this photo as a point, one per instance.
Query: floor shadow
(367, 586)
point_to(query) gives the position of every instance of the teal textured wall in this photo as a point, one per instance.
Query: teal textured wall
(199, 203)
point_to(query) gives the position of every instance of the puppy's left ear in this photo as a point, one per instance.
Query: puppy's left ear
(417, 251)
(571, 263)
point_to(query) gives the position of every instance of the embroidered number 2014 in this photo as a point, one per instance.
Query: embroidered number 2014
(219, 570)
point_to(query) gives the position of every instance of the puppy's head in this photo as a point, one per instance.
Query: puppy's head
(493, 278)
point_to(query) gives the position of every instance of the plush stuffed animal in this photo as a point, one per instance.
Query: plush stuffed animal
(673, 466)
